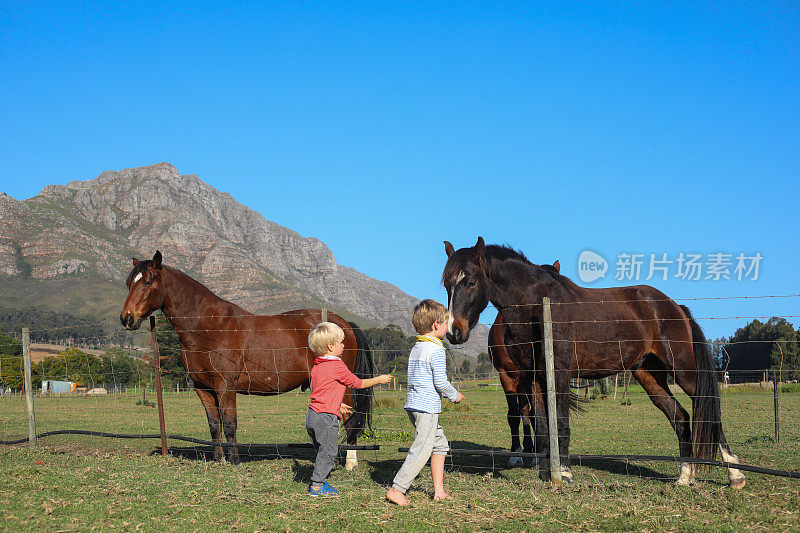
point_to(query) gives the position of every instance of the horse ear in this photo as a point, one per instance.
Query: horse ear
(477, 252)
(448, 248)
(135, 261)
(557, 265)
(157, 259)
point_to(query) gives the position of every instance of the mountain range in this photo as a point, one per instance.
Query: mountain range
(70, 247)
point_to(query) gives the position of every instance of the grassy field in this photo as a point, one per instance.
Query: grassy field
(83, 483)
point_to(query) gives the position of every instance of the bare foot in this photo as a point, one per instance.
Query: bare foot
(442, 496)
(396, 497)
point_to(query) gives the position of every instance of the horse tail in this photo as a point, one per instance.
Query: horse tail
(706, 411)
(364, 368)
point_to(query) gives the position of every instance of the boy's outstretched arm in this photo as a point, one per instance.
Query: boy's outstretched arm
(369, 382)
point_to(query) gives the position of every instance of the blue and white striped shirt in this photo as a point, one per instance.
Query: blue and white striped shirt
(427, 376)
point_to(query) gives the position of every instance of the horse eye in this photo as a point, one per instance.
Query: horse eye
(471, 283)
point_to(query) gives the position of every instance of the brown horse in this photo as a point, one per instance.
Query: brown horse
(227, 350)
(518, 406)
(596, 333)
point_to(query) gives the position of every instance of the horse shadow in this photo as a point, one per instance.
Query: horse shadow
(383, 471)
(247, 453)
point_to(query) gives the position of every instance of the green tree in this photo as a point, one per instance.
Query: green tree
(118, 368)
(169, 349)
(390, 349)
(10, 345)
(763, 345)
(718, 352)
(464, 370)
(11, 372)
(82, 368)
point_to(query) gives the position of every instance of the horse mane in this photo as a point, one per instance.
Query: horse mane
(504, 252)
(457, 262)
(495, 255)
(142, 266)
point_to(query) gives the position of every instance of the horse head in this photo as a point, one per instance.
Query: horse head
(466, 282)
(145, 292)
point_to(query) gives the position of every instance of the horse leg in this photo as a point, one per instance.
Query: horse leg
(527, 440)
(209, 401)
(652, 377)
(735, 476)
(351, 460)
(227, 410)
(540, 431)
(513, 417)
(562, 421)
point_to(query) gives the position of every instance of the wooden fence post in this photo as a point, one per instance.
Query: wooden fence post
(28, 383)
(552, 416)
(157, 375)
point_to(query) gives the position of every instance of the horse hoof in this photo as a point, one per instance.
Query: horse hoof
(738, 483)
(514, 462)
(683, 482)
(350, 465)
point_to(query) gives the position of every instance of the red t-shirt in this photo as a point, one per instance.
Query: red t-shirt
(330, 378)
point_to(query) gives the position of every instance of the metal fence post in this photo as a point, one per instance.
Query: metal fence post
(775, 386)
(552, 417)
(26, 358)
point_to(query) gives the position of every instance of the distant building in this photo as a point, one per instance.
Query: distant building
(58, 387)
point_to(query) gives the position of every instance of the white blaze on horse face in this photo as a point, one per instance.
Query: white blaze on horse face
(450, 306)
(138, 277)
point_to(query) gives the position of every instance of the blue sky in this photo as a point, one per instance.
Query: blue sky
(385, 128)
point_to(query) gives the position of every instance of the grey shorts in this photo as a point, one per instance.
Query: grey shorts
(428, 439)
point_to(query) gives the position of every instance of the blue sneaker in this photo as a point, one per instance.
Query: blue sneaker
(324, 490)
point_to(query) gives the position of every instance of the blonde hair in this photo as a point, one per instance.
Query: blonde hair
(322, 335)
(426, 313)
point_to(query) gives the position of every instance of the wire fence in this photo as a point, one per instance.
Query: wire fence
(79, 393)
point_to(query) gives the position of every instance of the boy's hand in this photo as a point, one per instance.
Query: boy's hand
(459, 397)
(384, 378)
(344, 409)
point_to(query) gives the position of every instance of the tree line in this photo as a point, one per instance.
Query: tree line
(759, 346)
(85, 370)
(48, 326)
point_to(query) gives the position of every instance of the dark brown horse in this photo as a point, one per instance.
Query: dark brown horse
(228, 351)
(596, 333)
(518, 406)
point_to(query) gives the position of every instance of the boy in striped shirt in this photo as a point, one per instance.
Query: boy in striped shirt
(427, 383)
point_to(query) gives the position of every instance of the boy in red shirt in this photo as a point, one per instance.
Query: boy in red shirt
(330, 377)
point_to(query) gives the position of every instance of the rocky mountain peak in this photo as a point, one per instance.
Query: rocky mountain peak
(94, 227)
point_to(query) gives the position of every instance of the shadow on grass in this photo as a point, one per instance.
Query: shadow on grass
(383, 471)
(247, 454)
